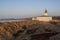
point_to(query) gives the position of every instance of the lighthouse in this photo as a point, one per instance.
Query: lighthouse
(44, 17)
(45, 13)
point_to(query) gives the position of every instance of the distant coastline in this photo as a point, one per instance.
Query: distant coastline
(22, 19)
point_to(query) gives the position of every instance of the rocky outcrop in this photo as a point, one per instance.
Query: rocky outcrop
(23, 30)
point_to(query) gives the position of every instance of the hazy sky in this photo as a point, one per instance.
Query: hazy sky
(28, 8)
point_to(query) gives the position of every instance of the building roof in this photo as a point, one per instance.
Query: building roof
(44, 16)
(45, 10)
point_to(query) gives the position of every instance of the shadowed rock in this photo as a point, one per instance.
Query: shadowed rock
(17, 33)
(43, 36)
(1, 23)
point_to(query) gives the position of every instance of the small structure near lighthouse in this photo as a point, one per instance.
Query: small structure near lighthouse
(44, 17)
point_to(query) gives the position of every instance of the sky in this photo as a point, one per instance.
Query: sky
(28, 8)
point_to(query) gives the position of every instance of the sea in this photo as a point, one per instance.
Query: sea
(10, 20)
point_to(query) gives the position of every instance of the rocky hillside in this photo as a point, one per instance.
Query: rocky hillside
(25, 30)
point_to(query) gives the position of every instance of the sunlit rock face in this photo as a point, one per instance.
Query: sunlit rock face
(23, 30)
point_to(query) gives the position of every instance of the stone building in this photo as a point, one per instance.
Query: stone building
(44, 17)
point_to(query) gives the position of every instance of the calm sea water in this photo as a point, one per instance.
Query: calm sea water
(10, 20)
